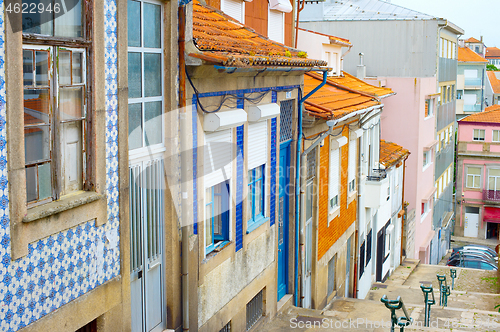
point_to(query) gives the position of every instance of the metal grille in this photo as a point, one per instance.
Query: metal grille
(135, 219)
(254, 310)
(311, 164)
(226, 328)
(286, 116)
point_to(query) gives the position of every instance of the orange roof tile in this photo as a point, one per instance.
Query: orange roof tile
(489, 115)
(472, 40)
(332, 101)
(335, 40)
(492, 52)
(494, 76)
(351, 82)
(465, 54)
(391, 153)
(221, 39)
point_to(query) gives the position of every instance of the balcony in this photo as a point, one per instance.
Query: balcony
(472, 108)
(472, 83)
(491, 196)
(377, 189)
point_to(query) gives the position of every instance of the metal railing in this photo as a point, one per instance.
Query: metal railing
(491, 195)
(472, 108)
(254, 310)
(377, 174)
(394, 305)
(428, 302)
(473, 82)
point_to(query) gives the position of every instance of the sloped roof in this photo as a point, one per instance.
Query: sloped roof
(352, 82)
(333, 39)
(223, 40)
(472, 40)
(363, 10)
(492, 52)
(489, 115)
(494, 78)
(335, 100)
(391, 153)
(465, 54)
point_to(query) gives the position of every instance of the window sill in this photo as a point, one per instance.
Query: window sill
(67, 202)
(256, 224)
(351, 196)
(333, 214)
(426, 167)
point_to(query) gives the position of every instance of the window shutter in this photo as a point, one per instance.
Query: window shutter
(257, 144)
(333, 183)
(352, 160)
(233, 8)
(276, 26)
(218, 153)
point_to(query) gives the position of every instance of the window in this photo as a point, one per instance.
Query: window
(425, 208)
(473, 177)
(276, 26)
(494, 179)
(256, 195)
(496, 136)
(216, 216)
(368, 247)
(333, 181)
(55, 104)
(478, 135)
(427, 158)
(351, 176)
(255, 309)
(361, 259)
(331, 274)
(234, 8)
(429, 107)
(144, 84)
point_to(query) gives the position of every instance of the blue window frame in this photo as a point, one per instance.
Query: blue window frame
(216, 216)
(255, 198)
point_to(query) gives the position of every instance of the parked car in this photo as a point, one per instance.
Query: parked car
(474, 264)
(473, 254)
(476, 247)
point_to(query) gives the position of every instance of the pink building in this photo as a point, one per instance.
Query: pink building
(478, 175)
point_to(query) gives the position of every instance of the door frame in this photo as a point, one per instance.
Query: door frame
(285, 148)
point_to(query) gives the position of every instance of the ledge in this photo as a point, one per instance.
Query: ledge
(67, 202)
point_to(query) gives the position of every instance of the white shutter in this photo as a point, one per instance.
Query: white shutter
(233, 8)
(218, 157)
(470, 99)
(352, 160)
(333, 183)
(276, 26)
(257, 144)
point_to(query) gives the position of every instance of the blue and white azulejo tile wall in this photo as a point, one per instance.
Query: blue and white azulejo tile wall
(66, 265)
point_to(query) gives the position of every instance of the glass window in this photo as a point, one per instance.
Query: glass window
(47, 19)
(494, 179)
(427, 158)
(478, 135)
(256, 195)
(496, 136)
(216, 216)
(54, 121)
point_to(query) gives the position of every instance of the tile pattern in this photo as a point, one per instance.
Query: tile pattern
(239, 187)
(391, 153)
(194, 124)
(66, 265)
(490, 115)
(465, 54)
(272, 204)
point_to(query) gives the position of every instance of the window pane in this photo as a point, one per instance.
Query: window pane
(71, 156)
(31, 185)
(36, 144)
(64, 68)
(134, 126)
(42, 67)
(37, 22)
(152, 74)
(71, 103)
(44, 181)
(250, 178)
(258, 197)
(250, 202)
(77, 67)
(474, 170)
(152, 25)
(36, 106)
(70, 24)
(134, 23)
(28, 67)
(491, 183)
(153, 120)
(217, 214)
(309, 201)
(494, 171)
(208, 225)
(134, 75)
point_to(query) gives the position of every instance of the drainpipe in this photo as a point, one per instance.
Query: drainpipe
(298, 187)
(184, 118)
(403, 219)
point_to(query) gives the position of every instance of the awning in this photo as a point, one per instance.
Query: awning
(491, 214)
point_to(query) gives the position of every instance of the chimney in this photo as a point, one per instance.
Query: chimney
(361, 72)
(481, 39)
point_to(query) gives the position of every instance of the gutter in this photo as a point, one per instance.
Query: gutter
(231, 70)
(298, 187)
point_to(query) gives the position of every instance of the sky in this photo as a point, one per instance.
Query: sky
(476, 17)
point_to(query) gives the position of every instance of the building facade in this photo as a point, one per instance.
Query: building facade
(492, 90)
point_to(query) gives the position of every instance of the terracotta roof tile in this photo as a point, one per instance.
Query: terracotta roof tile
(465, 54)
(489, 115)
(494, 77)
(221, 39)
(336, 40)
(334, 100)
(492, 52)
(472, 40)
(352, 82)
(391, 153)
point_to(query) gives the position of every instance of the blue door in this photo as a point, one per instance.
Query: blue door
(284, 192)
